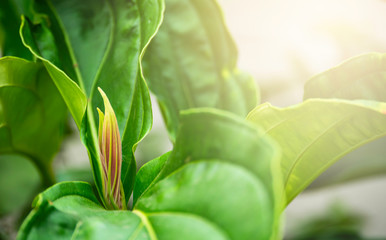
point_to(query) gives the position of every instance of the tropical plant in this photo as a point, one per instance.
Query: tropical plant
(235, 163)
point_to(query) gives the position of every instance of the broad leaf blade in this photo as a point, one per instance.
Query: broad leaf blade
(214, 134)
(203, 189)
(361, 77)
(70, 210)
(315, 134)
(192, 63)
(32, 113)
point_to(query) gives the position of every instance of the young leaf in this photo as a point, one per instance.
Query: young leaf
(192, 63)
(146, 175)
(103, 43)
(315, 134)
(32, 113)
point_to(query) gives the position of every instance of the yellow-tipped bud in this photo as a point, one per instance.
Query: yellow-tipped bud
(110, 150)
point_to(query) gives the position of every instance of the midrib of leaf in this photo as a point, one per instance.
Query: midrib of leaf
(137, 231)
(321, 170)
(147, 224)
(305, 148)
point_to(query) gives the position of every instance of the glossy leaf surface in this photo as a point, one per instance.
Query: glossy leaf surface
(213, 134)
(99, 44)
(201, 188)
(32, 113)
(315, 134)
(192, 63)
(69, 210)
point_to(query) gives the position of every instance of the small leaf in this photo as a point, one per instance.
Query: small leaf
(315, 134)
(191, 63)
(146, 175)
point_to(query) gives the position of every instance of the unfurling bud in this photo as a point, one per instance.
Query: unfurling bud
(110, 151)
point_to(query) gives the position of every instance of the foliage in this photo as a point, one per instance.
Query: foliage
(232, 170)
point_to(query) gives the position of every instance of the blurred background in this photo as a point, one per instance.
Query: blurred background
(282, 44)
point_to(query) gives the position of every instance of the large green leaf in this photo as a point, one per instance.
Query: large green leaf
(315, 134)
(72, 206)
(10, 43)
(361, 77)
(214, 134)
(227, 196)
(192, 63)
(99, 44)
(32, 113)
(69, 210)
(364, 162)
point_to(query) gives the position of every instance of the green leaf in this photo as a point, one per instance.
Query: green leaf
(69, 210)
(103, 43)
(73, 96)
(229, 197)
(10, 43)
(315, 134)
(214, 134)
(32, 113)
(192, 63)
(361, 77)
(364, 162)
(146, 175)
